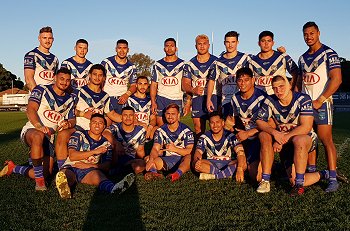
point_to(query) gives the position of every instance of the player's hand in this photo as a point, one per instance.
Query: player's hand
(170, 147)
(150, 164)
(100, 150)
(148, 132)
(187, 109)
(64, 124)
(281, 49)
(277, 147)
(154, 107)
(210, 105)
(44, 129)
(280, 137)
(197, 164)
(146, 159)
(239, 175)
(122, 99)
(316, 104)
(88, 113)
(198, 90)
(242, 135)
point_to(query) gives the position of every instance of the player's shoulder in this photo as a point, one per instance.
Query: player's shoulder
(301, 96)
(32, 52)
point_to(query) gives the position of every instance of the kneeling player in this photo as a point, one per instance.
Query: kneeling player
(89, 155)
(217, 147)
(173, 143)
(293, 138)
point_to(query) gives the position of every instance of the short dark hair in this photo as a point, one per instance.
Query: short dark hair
(170, 40)
(277, 78)
(98, 67)
(310, 24)
(46, 29)
(122, 41)
(265, 33)
(173, 105)
(216, 113)
(128, 108)
(63, 70)
(231, 34)
(81, 41)
(244, 71)
(141, 77)
(99, 116)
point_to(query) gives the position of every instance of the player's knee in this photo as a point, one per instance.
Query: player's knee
(63, 136)
(37, 137)
(300, 141)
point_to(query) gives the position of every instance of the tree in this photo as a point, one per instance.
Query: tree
(143, 63)
(7, 78)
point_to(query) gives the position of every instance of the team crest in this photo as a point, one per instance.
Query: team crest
(238, 66)
(89, 101)
(225, 70)
(259, 71)
(74, 72)
(42, 63)
(196, 72)
(315, 64)
(162, 71)
(112, 71)
(278, 116)
(322, 115)
(273, 68)
(291, 116)
(51, 102)
(176, 70)
(85, 147)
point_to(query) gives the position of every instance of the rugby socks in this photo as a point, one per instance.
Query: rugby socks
(299, 179)
(23, 170)
(332, 175)
(311, 168)
(179, 172)
(106, 186)
(153, 170)
(213, 169)
(266, 177)
(60, 163)
(324, 174)
(226, 173)
(39, 172)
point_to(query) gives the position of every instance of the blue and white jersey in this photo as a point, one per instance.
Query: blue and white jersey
(199, 73)
(218, 150)
(247, 109)
(82, 142)
(118, 76)
(87, 100)
(286, 117)
(224, 73)
(131, 141)
(141, 106)
(79, 71)
(265, 69)
(168, 75)
(315, 68)
(44, 65)
(53, 108)
(181, 138)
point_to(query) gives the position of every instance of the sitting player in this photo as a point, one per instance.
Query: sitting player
(173, 143)
(214, 152)
(89, 156)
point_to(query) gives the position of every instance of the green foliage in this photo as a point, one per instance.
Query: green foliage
(143, 63)
(6, 78)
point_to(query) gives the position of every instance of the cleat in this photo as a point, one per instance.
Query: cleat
(341, 177)
(297, 191)
(124, 184)
(40, 184)
(153, 176)
(264, 187)
(8, 168)
(333, 186)
(62, 185)
(206, 176)
(173, 177)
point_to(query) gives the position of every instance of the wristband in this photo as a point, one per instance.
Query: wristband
(322, 98)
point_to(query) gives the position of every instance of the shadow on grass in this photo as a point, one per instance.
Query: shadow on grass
(6, 137)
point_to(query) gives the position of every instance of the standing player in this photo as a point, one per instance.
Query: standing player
(173, 143)
(218, 147)
(224, 73)
(78, 64)
(89, 156)
(49, 109)
(321, 77)
(40, 65)
(120, 73)
(166, 81)
(195, 83)
(269, 63)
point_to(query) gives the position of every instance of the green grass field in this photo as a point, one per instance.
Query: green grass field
(189, 204)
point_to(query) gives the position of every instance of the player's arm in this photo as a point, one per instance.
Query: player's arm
(188, 104)
(210, 88)
(33, 117)
(114, 116)
(186, 85)
(245, 134)
(179, 150)
(124, 98)
(241, 162)
(153, 94)
(197, 155)
(155, 152)
(140, 152)
(75, 155)
(266, 127)
(151, 128)
(29, 78)
(304, 128)
(230, 122)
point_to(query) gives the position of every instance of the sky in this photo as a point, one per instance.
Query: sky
(146, 24)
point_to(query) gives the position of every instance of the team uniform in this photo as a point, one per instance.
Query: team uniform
(85, 99)
(265, 69)
(130, 141)
(198, 73)
(168, 75)
(82, 142)
(44, 65)
(142, 107)
(181, 138)
(53, 109)
(314, 70)
(117, 79)
(224, 74)
(247, 112)
(79, 72)
(287, 118)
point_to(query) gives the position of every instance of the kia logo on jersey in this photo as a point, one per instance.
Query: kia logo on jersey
(200, 82)
(142, 116)
(80, 82)
(170, 81)
(264, 81)
(116, 81)
(46, 74)
(52, 116)
(229, 80)
(310, 78)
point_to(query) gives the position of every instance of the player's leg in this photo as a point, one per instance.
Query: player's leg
(266, 158)
(138, 165)
(252, 152)
(184, 167)
(153, 173)
(65, 179)
(61, 146)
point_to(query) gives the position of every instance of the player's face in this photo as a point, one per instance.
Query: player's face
(231, 44)
(122, 50)
(62, 81)
(45, 40)
(97, 125)
(142, 85)
(216, 124)
(245, 83)
(281, 89)
(81, 49)
(128, 117)
(311, 36)
(170, 48)
(172, 115)
(202, 46)
(266, 43)
(97, 77)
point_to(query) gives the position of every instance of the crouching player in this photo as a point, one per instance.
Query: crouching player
(171, 151)
(90, 155)
(293, 138)
(49, 109)
(213, 157)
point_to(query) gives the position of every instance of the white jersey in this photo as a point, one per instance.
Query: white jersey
(315, 68)
(142, 108)
(118, 76)
(168, 75)
(44, 65)
(79, 71)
